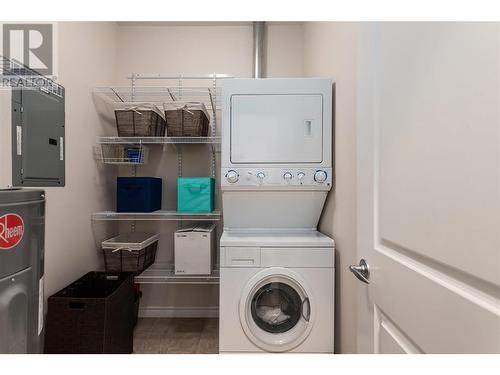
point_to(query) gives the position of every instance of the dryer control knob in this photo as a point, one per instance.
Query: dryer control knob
(287, 176)
(320, 176)
(301, 176)
(232, 176)
(261, 175)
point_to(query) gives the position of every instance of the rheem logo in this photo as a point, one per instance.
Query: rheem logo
(11, 230)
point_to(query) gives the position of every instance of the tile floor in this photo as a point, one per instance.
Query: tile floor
(176, 336)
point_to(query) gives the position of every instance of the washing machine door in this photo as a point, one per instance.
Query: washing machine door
(277, 309)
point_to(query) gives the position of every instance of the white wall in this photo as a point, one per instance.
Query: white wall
(330, 51)
(86, 56)
(193, 48)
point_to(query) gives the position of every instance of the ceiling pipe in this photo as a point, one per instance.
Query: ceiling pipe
(259, 49)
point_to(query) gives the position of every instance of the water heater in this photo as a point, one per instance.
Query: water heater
(22, 222)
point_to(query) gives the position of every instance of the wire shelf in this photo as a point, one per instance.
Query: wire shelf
(168, 88)
(156, 76)
(158, 140)
(16, 74)
(164, 274)
(210, 96)
(161, 215)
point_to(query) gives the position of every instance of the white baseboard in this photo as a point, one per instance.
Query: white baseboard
(178, 312)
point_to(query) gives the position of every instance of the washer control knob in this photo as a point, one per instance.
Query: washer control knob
(287, 176)
(301, 176)
(232, 176)
(261, 175)
(320, 176)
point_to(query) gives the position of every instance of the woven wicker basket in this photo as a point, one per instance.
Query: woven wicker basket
(129, 260)
(133, 257)
(186, 119)
(93, 315)
(139, 123)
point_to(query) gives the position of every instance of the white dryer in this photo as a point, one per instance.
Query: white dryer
(276, 161)
(277, 271)
(277, 292)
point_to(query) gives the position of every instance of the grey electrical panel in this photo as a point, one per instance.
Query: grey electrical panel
(38, 147)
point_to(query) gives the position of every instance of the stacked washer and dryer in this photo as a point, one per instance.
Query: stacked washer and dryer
(276, 269)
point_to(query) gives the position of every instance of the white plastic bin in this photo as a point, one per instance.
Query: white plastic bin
(194, 250)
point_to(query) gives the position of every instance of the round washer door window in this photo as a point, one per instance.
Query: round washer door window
(276, 307)
(275, 310)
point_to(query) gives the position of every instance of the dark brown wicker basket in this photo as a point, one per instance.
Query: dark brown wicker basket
(139, 123)
(186, 123)
(95, 314)
(137, 303)
(134, 261)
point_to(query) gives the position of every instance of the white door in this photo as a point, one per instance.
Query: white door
(429, 187)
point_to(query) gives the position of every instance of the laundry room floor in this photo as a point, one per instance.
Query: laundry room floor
(176, 336)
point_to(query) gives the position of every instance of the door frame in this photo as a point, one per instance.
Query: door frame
(365, 168)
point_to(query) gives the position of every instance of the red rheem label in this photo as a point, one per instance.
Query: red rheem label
(11, 230)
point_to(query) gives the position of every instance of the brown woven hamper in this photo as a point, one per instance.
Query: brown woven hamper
(186, 119)
(130, 252)
(139, 122)
(93, 315)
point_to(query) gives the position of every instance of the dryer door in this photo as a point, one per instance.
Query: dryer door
(282, 129)
(277, 309)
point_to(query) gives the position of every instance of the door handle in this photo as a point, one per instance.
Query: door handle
(361, 271)
(308, 315)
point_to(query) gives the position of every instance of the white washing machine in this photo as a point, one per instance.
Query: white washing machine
(277, 271)
(277, 292)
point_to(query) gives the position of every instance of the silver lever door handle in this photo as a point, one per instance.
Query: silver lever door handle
(362, 271)
(308, 315)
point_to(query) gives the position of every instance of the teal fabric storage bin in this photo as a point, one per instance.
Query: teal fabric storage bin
(195, 194)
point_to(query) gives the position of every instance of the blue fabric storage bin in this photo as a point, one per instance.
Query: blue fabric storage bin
(195, 194)
(138, 194)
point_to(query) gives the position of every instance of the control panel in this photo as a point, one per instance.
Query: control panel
(276, 177)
